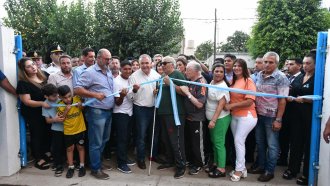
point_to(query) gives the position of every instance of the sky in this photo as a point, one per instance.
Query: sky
(198, 17)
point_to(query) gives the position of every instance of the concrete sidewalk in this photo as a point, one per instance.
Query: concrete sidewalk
(32, 176)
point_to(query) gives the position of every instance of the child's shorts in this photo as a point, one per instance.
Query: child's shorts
(76, 139)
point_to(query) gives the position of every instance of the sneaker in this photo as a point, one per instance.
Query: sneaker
(82, 172)
(99, 174)
(179, 173)
(302, 180)
(70, 173)
(165, 166)
(130, 162)
(124, 168)
(53, 167)
(194, 170)
(59, 170)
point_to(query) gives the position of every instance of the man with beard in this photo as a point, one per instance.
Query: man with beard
(64, 76)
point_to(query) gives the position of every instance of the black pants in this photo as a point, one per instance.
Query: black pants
(300, 133)
(284, 136)
(58, 150)
(121, 122)
(194, 142)
(40, 136)
(172, 137)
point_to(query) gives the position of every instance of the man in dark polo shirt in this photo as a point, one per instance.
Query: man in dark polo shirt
(172, 136)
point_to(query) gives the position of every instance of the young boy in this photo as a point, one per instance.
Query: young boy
(50, 93)
(74, 128)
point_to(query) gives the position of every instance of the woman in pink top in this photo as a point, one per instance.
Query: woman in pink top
(244, 116)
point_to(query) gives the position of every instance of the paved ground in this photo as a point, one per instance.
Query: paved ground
(32, 176)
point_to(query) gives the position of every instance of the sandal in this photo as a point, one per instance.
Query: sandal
(302, 180)
(236, 178)
(42, 166)
(288, 175)
(210, 168)
(217, 174)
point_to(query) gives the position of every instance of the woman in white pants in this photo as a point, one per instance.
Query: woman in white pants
(244, 116)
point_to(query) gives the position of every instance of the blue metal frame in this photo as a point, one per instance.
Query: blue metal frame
(22, 129)
(317, 108)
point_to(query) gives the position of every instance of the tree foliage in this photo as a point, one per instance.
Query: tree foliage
(139, 26)
(204, 50)
(287, 27)
(236, 43)
(126, 27)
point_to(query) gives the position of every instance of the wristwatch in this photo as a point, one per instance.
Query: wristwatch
(278, 120)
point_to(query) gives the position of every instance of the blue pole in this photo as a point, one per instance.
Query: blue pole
(317, 108)
(22, 129)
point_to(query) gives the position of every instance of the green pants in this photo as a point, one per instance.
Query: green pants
(218, 138)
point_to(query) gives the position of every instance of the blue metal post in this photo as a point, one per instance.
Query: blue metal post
(317, 108)
(22, 129)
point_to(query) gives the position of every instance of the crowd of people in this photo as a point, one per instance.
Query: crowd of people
(219, 128)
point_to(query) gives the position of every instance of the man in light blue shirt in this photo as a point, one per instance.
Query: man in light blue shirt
(89, 58)
(97, 82)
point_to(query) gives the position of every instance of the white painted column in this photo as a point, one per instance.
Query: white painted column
(9, 125)
(324, 156)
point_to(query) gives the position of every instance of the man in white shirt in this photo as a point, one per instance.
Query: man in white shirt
(64, 76)
(143, 103)
(55, 53)
(122, 115)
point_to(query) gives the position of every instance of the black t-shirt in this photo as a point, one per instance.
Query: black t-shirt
(24, 87)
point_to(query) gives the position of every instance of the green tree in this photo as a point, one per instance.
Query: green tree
(236, 43)
(30, 18)
(287, 27)
(132, 27)
(204, 50)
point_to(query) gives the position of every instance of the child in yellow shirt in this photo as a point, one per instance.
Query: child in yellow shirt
(74, 128)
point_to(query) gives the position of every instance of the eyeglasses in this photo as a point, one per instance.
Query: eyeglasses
(31, 65)
(164, 63)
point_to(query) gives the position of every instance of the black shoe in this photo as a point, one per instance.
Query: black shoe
(256, 171)
(165, 166)
(210, 168)
(302, 180)
(70, 173)
(59, 170)
(265, 177)
(217, 174)
(42, 166)
(82, 172)
(179, 173)
(194, 170)
(288, 175)
(141, 164)
(100, 175)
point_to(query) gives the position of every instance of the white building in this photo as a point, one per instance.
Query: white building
(243, 55)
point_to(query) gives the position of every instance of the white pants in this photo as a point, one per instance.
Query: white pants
(241, 127)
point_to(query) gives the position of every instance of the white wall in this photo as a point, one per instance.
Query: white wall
(9, 126)
(324, 156)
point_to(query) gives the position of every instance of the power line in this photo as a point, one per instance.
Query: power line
(227, 19)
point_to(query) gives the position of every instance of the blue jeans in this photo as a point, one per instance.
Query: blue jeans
(266, 137)
(143, 119)
(99, 128)
(121, 124)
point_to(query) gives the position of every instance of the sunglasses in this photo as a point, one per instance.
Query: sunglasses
(164, 63)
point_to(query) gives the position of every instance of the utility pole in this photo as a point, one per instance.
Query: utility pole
(215, 37)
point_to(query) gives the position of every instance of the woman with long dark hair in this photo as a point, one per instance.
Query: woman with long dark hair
(244, 115)
(219, 120)
(31, 80)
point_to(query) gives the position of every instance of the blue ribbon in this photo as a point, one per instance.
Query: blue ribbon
(160, 92)
(174, 105)
(249, 92)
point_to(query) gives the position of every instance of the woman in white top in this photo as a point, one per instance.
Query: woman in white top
(219, 120)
